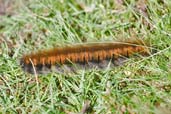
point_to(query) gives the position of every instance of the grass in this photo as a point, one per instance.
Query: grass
(142, 85)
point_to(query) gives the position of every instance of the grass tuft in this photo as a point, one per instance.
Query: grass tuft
(142, 85)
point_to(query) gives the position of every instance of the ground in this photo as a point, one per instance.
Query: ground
(142, 85)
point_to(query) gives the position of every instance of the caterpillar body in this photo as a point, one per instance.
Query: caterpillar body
(82, 56)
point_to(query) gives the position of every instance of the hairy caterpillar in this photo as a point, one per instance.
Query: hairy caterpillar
(73, 57)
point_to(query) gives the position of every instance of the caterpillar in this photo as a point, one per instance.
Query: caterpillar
(78, 56)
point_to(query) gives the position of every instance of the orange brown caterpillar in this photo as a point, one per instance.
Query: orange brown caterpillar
(82, 54)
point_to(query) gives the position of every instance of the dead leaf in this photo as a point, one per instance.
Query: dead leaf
(7, 7)
(87, 8)
(86, 107)
(141, 5)
(2, 7)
